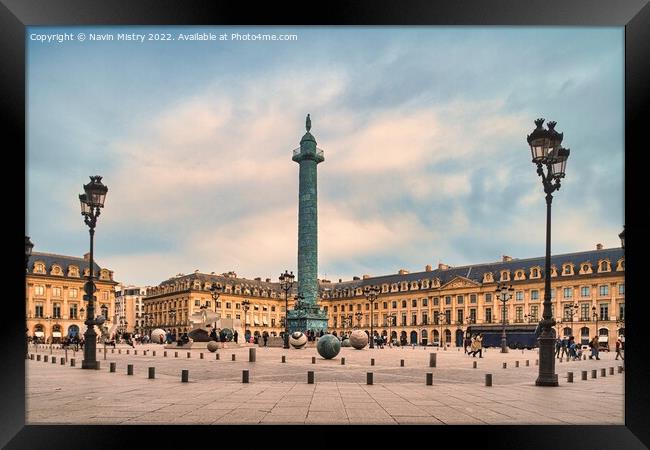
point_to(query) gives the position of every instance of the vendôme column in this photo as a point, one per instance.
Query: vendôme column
(306, 315)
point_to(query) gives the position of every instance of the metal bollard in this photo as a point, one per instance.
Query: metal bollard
(432, 359)
(474, 364)
(620, 369)
(31, 356)
(189, 354)
(603, 372)
(127, 351)
(185, 375)
(53, 359)
(368, 377)
(44, 358)
(488, 379)
(72, 362)
(569, 377)
(584, 357)
(63, 363)
(217, 357)
(527, 363)
(135, 352)
(284, 359)
(537, 362)
(611, 371)
(505, 365)
(38, 358)
(152, 373)
(200, 355)
(594, 373)
(313, 360)
(165, 354)
(584, 375)
(251, 354)
(119, 351)
(153, 353)
(111, 367)
(244, 376)
(516, 363)
(310, 377)
(112, 350)
(372, 361)
(129, 369)
(175, 354)
(233, 356)
(429, 381)
(401, 363)
(342, 361)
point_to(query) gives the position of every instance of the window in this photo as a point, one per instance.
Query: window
(621, 311)
(403, 318)
(459, 316)
(237, 305)
(256, 308)
(604, 289)
(237, 316)
(448, 316)
(394, 304)
(552, 293)
(105, 296)
(56, 310)
(358, 306)
(534, 273)
(568, 292)
(472, 315)
(385, 306)
(585, 291)
(414, 319)
(472, 298)
(621, 289)
(459, 299)
(208, 303)
(568, 309)
(488, 315)
(272, 308)
(534, 311)
(73, 293)
(218, 305)
(414, 303)
(584, 311)
(197, 302)
(567, 270)
(342, 308)
(39, 290)
(403, 303)
(425, 302)
(425, 318)
(56, 292)
(534, 294)
(335, 308)
(519, 314)
(604, 311)
(448, 300)
(519, 296)
(604, 266)
(367, 307)
(436, 301)
(73, 311)
(228, 305)
(38, 310)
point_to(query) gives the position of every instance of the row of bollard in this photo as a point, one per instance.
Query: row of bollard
(594, 373)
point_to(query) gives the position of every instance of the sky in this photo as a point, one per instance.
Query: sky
(423, 130)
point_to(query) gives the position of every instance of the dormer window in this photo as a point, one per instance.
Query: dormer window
(604, 266)
(519, 275)
(534, 272)
(505, 275)
(567, 269)
(56, 270)
(585, 268)
(553, 271)
(487, 277)
(620, 265)
(425, 284)
(39, 268)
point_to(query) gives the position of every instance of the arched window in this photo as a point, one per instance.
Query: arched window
(414, 337)
(567, 331)
(584, 335)
(447, 337)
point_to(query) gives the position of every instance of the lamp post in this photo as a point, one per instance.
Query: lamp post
(92, 200)
(392, 321)
(570, 312)
(245, 305)
(359, 316)
(172, 317)
(546, 151)
(372, 295)
(215, 291)
(622, 237)
(594, 315)
(28, 252)
(504, 293)
(286, 283)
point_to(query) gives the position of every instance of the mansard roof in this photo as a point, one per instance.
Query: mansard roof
(64, 261)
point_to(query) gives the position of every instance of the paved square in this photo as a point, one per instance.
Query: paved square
(278, 392)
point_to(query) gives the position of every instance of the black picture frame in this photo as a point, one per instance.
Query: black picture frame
(15, 15)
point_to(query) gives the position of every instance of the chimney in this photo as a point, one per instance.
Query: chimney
(403, 272)
(356, 278)
(268, 280)
(507, 258)
(442, 266)
(87, 257)
(365, 277)
(599, 246)
(340, 280)
(258, 279)
(211, 273)
(428, 268)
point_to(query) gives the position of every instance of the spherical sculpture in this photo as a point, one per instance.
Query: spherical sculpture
(213, 346)
(297, 339)
(328, 346)
(358, 339)
(156, 335)
(226, 334)
(345, 343)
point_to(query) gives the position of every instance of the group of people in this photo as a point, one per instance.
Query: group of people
(567, 346)
(474, 345)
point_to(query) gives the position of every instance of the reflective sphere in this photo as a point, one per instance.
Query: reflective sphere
(213, 346)
(358, 339)
(345, 343)
(297, 339)
(328, 346)
(156, 334)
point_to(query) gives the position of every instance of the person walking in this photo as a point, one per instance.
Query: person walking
(477, 346)
(565, 347)
(558, 347)
(467, 345)
(594, 348)
(265, 337)
(619, 344)
(235, 337)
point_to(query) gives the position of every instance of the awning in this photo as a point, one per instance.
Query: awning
(265, 322)
(39, 334)
(56, 334)
(603, 338)
(256, 322)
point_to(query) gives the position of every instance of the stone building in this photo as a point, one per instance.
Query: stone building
(54, 304)
(129, 308)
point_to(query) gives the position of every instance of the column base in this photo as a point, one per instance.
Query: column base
(90, 365)
(547, 381)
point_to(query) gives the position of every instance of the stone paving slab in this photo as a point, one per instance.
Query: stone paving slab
(279, 393)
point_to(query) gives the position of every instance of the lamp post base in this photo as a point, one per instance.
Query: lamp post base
(90, 365)
(504, 349)
(547, 375)
(547, 382)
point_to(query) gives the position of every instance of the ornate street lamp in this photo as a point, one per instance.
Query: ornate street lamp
(546, 152)
(359, 316)
(286, 283)
(504, 293)
(594, 315)
(245, 305)
(28, 250)
(442, 320)
(622, 237)
(392, 321)
(92, 200)
(372, 295)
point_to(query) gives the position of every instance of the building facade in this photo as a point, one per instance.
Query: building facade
(430, 307)
(129, 309)
(54, 305)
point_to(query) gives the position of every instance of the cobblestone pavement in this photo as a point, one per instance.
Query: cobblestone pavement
(279, 393)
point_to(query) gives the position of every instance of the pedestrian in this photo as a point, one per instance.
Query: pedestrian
(265, 337)
(619, 344)
(594, 348)
(467, 345)
(558, 347)
(565, 347)
(235, 336)
(477, 346)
